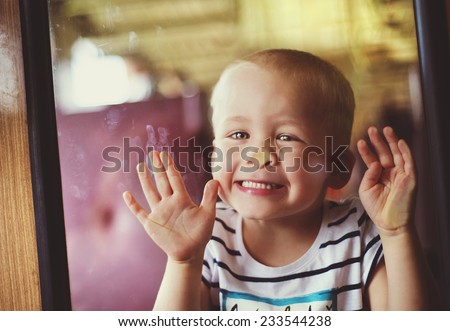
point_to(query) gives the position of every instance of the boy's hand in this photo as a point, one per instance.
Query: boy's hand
(387, 189)
(177, 225)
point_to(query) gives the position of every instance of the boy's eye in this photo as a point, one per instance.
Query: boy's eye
(285, 137)
(240, 135)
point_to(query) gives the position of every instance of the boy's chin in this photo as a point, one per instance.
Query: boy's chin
(255, 213)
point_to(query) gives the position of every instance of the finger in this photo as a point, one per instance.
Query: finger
(407, 157)
(210, 196)
(366, 153)
(150, 191)
(381, 148)
(162, 182)
(371, 177)
(175, 180)
(392, 140)
(135, 207)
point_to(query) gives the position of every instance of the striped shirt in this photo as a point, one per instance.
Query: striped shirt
(331, 275)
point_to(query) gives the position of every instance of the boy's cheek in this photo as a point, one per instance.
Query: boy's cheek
(225, 184)
(218, 171)
(217, 165)
(313, 163)
(310, 162)
(223, 158)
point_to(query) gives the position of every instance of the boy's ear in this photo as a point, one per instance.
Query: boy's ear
(338, 179)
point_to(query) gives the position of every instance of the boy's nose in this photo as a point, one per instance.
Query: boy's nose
(265, 156)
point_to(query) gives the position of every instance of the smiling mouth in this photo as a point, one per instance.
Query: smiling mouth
(259, 185)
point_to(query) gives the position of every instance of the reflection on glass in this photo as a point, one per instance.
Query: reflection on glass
(132, 75)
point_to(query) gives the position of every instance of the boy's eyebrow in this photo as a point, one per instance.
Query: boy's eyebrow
(288, 122)
(236, 118)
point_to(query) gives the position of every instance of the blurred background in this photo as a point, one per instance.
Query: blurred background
(132, 75)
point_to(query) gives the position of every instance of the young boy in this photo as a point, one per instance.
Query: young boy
(280, 117)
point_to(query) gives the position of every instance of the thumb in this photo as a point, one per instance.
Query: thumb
(371, 177)
(210, 196)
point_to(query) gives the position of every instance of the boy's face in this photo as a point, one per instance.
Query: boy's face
(285, 178)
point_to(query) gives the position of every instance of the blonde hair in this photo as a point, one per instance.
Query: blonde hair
(334, 97)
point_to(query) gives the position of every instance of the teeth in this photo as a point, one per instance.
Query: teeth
(260, 186)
